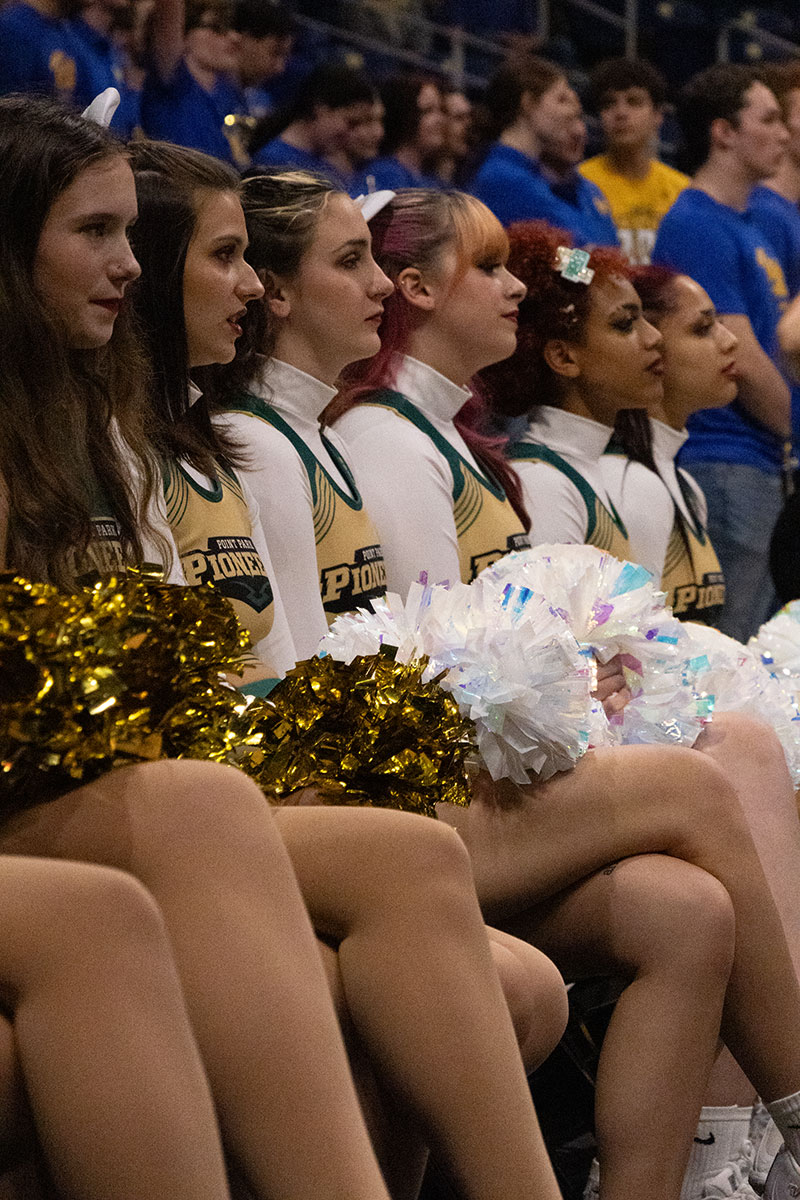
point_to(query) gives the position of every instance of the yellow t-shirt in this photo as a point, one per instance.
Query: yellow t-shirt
(637, 205)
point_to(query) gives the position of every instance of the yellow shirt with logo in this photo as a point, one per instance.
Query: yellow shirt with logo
(637, 205)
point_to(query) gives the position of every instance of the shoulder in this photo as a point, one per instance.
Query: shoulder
(386, 440)
(665, 174)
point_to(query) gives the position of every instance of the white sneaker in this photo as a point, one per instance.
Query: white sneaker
(767, 1147)
(783, 1180)
(731, 1181)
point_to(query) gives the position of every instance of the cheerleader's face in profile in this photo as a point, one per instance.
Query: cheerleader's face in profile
(83, 260)
(217, 282)
(330, 310)
(699, 351)
(617, 362)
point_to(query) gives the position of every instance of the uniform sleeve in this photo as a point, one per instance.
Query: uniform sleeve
(555, 506)
(276, 650)
(407, 488)
(278, 480)
(683, 243)
(646, 509)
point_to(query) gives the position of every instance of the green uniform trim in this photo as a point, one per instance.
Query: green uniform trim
(536, 452)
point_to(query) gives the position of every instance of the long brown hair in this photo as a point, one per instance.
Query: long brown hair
(63, 411)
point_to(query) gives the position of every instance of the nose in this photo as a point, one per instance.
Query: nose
(515, 289)
(249, 286)
(126, 268)
(728, 339)
(651, 336)
(382, 285)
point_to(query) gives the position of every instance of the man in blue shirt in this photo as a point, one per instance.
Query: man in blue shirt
(191, 95)
(736, 138)
(540, 110)
(39, 51)
(103, 63)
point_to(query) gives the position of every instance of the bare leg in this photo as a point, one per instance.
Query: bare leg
(431, 1011)
(115, 1082)
(527, 844)
(667, 928)
(201, 839)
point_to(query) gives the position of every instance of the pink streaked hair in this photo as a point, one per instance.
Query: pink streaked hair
(414, 230)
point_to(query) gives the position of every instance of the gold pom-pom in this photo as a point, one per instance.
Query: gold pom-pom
(366, 732)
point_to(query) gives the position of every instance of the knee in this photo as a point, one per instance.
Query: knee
(698, 789)
(682, 918)
(738, 737)
(110, 911)
(536, 998)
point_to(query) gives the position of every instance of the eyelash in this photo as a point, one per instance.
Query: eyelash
(489, 268)
(225, 253)
(625, 324)
(351, 262)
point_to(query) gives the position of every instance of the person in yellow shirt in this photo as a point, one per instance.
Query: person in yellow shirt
(628, 96)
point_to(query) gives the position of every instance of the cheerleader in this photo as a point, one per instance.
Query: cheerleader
(310, 246)
(663, 508)
(585, 351)
(656, 814)
(200, 836)
(457, 1112)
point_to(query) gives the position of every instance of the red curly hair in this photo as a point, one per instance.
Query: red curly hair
(554, 307)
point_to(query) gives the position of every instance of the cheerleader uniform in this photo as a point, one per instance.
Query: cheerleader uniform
(324, 547)
(218, 534)
(558, 460)
(665, 515)
(436, 510)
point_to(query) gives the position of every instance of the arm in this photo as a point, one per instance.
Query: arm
(763, 392)
(407, 490)
(554, 504)
(276, 651)
(167, 37)
(279, 483)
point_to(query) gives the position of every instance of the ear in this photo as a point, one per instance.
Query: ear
(413, 287)
(560, 358)
(720, 132)
(527, 104)
(275, 296)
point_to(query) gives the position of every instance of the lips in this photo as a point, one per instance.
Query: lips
(235, 319)
(112, 304)
(512, 316)
(656, 367)
(730, 370)
(375, 319)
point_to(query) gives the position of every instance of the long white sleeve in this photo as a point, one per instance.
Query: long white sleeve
(407, 488)
(555, 505)
(275, 474)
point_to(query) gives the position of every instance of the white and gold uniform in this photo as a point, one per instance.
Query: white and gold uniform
(436, 510)
(219, 538)
(665, 516)
(558, 460)
(323, 544)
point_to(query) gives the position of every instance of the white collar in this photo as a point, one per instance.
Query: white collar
(194, 393)
(568, 433)
(436, 395)
(666, 440)
(288, 389)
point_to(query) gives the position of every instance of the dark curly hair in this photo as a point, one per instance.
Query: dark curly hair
(554, 307)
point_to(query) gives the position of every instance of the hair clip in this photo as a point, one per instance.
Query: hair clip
(103, 107)
(573, 265)
(372, 203)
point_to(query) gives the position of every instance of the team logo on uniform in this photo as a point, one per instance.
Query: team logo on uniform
(234, 567)
(693, 598)
(479, 562)
(350, 585)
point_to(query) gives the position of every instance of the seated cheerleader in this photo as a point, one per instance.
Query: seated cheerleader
(584, 353)
(390, 892)
(99, 1068)
(191, 239)
(309, 244)
(662, 507)
(587, 347)
(598, 866)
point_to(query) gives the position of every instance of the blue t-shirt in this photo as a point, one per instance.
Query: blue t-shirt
(389, 173)
(726, 252)
(103, 68)
(279, 153)
(39, 54)
(779, 221)
(183, 112)
(512, 185)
